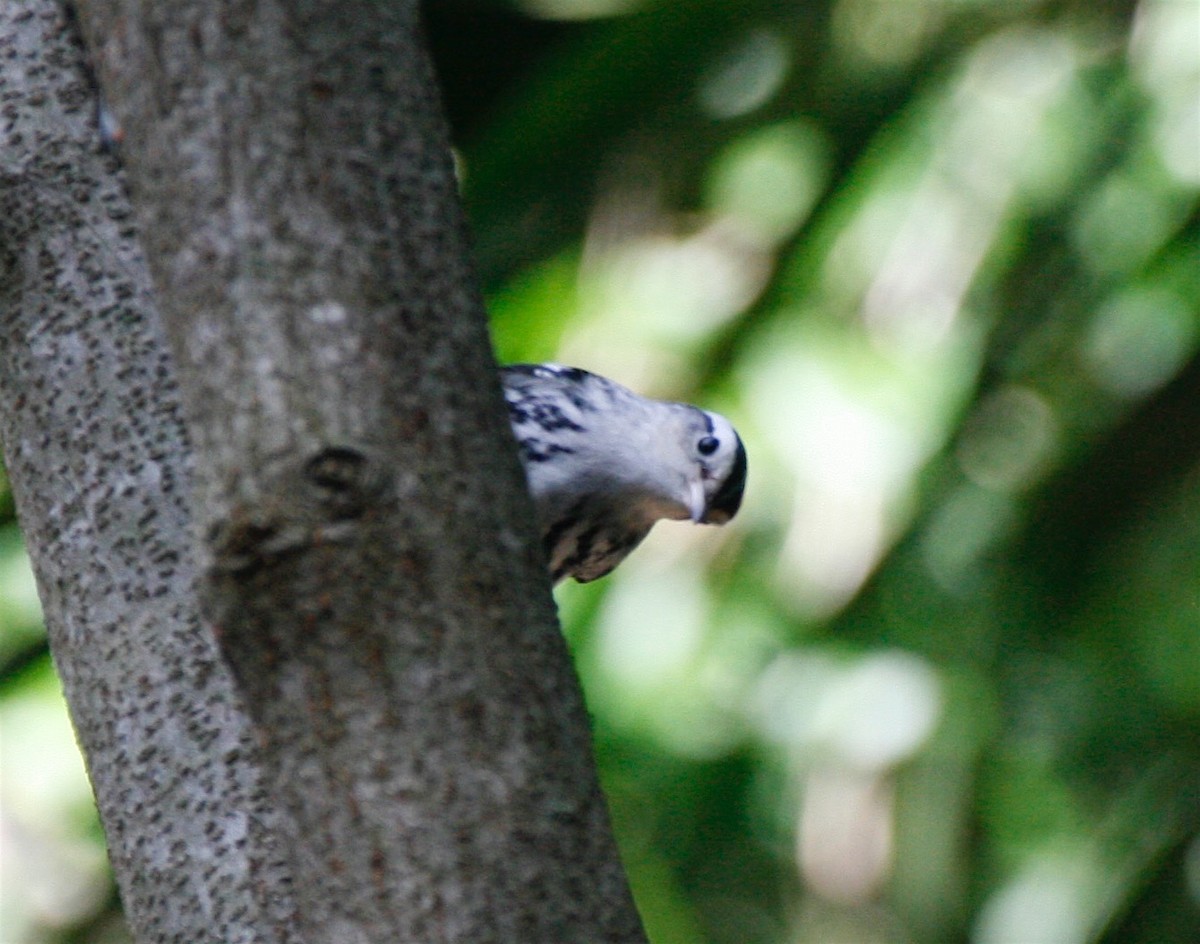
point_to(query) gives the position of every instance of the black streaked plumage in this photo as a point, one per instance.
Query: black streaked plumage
(604, 464)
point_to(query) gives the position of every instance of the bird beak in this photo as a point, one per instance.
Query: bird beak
(697, 501)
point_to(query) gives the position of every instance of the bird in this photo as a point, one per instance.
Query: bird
(604, 464)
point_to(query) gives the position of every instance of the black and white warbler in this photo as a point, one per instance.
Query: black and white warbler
(604, 464)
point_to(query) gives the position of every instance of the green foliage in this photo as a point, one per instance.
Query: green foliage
(940, 262)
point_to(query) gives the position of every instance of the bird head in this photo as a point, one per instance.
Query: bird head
(716, 476)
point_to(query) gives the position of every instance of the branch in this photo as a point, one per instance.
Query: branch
(369, 553)
(100, 467)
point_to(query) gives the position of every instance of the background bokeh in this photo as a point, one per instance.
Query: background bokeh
(940, 263)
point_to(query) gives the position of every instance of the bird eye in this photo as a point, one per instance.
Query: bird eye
(708, 445)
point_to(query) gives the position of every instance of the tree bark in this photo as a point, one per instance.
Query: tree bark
(100, 466)
(421, 756)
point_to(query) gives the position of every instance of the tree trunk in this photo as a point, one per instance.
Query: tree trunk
(412, 761)
(100, 467)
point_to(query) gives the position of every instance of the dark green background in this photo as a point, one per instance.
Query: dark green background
(940, 263)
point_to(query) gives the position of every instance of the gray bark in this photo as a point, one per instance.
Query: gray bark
(100, 467)
(420, 768)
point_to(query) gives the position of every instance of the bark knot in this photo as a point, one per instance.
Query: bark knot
(345, 481)
(317, 501)
(250, 539)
